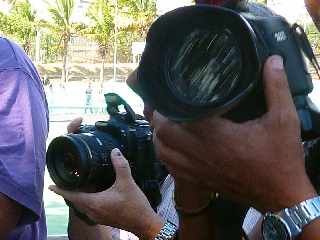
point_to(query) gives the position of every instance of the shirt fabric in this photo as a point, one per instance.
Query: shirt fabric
(23, 133)
(251, 222)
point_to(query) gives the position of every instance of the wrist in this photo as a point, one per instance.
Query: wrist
(294, 193)
(187, 197)
(151, 226)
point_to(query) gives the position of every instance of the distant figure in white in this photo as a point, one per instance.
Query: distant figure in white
(88, 99)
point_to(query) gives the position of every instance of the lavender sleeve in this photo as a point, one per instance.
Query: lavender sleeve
(23, 133)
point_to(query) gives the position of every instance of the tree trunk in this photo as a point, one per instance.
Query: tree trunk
(64, 77)
(38, 47)
(102, 71)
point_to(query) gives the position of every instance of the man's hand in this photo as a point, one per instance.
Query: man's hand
(122, 206)
(260, 162)
(10, 215)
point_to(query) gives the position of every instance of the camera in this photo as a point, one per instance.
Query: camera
(208, 60)
(81, 161)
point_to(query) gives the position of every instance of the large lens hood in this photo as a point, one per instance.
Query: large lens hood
(168, 33)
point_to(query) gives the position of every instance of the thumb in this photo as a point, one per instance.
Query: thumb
(74, 125)
(121, 166)
(276, 86)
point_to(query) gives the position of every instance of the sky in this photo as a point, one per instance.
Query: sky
(42, 5)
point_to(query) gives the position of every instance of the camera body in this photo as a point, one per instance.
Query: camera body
(274, 35)
(81, 161)
(213, 65)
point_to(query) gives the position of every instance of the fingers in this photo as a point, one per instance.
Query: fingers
(276, 86)
(78, 198)
(121, 166)
(189, 135)
(173, 134)
(177, 164)
(74, 125)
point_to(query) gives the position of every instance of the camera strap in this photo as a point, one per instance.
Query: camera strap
(80, 215)
(302, 40)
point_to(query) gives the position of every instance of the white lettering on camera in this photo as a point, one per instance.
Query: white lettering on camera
(280, 36)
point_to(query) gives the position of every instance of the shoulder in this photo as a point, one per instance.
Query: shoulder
(13, 57)
(15, 63)
(9, 54)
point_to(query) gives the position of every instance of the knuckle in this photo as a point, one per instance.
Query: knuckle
(280, 81)
(124, 164)
(287, 119)
(93, 211)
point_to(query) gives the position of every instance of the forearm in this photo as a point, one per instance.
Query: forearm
(197, 227)
(77, 229)
(196, 217)
(10, 215)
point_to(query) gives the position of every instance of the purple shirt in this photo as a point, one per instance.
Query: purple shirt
(23, 133)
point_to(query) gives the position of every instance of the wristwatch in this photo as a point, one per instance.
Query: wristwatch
(289, 223)
(167, 232)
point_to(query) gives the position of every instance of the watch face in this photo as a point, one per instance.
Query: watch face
(274, 228)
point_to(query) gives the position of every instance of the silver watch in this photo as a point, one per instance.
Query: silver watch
(289, 223)
(167, 232)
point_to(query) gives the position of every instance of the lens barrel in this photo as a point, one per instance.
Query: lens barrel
(82, 161)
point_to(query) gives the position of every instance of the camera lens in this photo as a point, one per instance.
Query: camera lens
(207, 67)
(68, 161)
(82, 161)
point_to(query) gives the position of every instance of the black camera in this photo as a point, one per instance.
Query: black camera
(208, 60)
(81, 161)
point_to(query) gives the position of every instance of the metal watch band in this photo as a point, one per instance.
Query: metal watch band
(301, 215)
(167, 232)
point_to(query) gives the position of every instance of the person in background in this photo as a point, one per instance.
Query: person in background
(23, 132)
(88, 99)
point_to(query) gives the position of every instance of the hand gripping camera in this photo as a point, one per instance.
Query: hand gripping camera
(205, 60)
(81, 161)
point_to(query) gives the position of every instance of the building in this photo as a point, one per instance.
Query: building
(80, 10)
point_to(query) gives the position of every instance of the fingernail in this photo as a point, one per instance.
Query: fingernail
(277, 62)
(116, 152)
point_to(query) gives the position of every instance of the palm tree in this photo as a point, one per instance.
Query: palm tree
(101, 29)
(25, 23)
(61, 12)
(142, 13)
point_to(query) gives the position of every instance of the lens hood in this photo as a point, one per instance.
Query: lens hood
(161, 71)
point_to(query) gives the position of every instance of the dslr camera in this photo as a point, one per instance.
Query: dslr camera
(81, 160)
(208, 60)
